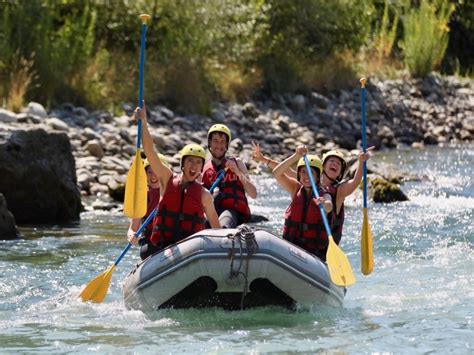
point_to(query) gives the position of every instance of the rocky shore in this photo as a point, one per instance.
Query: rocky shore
(400, 113)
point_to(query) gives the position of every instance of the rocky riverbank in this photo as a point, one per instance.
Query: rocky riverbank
(400, 113)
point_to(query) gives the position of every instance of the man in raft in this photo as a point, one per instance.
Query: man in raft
(231, 199)
(184, 202)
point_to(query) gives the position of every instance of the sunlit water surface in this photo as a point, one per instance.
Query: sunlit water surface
(419, 299)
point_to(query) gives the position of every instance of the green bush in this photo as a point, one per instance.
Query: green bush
(425, 36)
(302, 32)
(459, 58)
(199, 51)
(386, 32)
(60, 35)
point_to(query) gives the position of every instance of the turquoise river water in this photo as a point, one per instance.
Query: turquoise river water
(419, 299)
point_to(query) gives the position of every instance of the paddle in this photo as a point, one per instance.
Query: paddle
(366, 253)
(219, 178)
(339, 267)
(96, 290)
(134, 205)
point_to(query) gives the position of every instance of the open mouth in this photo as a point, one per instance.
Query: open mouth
(193, 173)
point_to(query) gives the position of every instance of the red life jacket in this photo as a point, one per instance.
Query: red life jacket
(336, 220)
(153, 197)
(303, 222)
(180, 212)
(231, 194)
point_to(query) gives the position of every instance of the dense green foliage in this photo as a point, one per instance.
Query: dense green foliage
(86, 51)
(425, 37)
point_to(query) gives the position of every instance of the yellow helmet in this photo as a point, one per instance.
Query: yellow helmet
(313, 161)
(337, 154)
(194, 150)
(163, 159)
(222, 128)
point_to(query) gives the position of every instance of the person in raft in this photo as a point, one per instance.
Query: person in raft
(153, 197)
(184, 202)
(304, 224)
(334, 168)
(230, 199)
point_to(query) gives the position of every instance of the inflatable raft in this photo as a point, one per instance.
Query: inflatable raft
(233, 269)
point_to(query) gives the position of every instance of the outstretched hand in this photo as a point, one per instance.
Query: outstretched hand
(257, 153)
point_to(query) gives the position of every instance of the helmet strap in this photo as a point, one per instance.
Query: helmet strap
(333, 180)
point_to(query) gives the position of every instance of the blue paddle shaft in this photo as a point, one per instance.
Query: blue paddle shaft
(364, 143)
(220, 176)
(137, 233)
(139, 130)
(140, 81)
(316, 193)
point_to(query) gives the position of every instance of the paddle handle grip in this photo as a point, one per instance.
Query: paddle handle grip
(144, 18)
(364, 138)
(220, 176)
(316, 193)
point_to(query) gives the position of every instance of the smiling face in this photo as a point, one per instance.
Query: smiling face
(152, 179)
(218, 145)
(304, 179)
(192, 167)
(333, 167)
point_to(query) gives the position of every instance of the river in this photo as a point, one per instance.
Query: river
(419, 299)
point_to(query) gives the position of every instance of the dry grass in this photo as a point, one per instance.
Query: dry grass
(336, 72)
(233, 83)
(22, 78)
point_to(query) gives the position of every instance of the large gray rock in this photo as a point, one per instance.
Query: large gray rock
(8, 228)
(38, 177)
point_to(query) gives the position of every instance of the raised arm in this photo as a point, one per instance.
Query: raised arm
(349, 186)
(162, 171)
(289, 184)
(258, 156)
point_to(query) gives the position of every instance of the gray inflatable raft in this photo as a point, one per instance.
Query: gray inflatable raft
(230, 268)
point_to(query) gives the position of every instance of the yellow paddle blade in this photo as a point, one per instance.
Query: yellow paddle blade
(134, 205)
(96, 290)
(339, 267)
(366, 253)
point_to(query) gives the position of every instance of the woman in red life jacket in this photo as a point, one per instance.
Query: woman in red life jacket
(230, 199)
(153, 197)
(334, 168)
(303, 221)
(184, 202)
